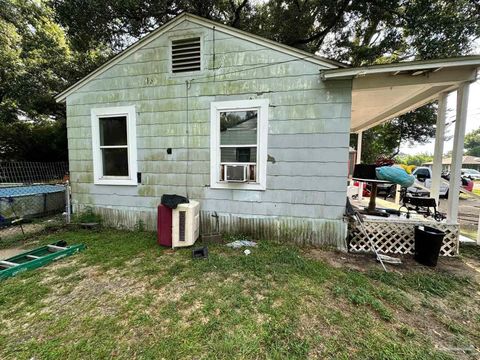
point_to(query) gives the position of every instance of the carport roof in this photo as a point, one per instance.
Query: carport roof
(383, 92)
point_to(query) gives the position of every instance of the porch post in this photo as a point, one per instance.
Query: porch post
(478, 232)
(359, 147)
(457, 154)
(358, 161)
(438, 153)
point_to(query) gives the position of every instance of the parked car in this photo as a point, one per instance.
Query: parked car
(471, 174)
(424, 176)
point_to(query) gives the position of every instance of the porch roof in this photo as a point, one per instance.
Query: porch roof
(383, 92)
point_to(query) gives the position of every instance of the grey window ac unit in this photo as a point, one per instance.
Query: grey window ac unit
(235, 173)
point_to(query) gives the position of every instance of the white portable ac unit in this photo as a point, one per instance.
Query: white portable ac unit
(185, 224)
(235, 173)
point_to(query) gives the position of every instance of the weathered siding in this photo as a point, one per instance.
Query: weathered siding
(307, 145)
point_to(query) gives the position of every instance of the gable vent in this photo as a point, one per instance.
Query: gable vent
(186, 55)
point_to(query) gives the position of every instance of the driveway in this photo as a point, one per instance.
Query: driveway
(468, 209)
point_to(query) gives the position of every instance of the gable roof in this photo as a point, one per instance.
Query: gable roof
(303, 55)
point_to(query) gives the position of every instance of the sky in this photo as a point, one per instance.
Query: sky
(473, 122)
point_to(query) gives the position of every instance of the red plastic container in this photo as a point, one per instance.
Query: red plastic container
(164, 226)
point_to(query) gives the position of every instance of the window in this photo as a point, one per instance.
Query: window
(114, 146)
(238, 154)
(186, 55)
(422, 173)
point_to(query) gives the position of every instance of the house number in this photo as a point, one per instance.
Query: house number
(149, 81)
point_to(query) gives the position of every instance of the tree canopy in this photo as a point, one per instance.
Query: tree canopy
(415, 159)
(47, 45)
(472, 143)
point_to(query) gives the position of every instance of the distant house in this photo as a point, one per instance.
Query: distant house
(256, 131)
(468, 162)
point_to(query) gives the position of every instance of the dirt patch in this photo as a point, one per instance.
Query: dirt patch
(8, 253)
(366, 262)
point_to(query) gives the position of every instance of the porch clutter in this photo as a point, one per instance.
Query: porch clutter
(397, 236)
(392, 231)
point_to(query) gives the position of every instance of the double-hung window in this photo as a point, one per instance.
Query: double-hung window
(238, 154)
(114, 146)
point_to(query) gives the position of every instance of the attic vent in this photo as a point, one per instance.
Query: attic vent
(186, 55)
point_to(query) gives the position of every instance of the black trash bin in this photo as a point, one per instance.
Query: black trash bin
(428, 242)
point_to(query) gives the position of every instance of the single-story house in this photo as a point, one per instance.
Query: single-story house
(256, 131)
(468, 162)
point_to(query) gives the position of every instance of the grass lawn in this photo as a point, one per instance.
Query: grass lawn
(126, 298)
(470, 231)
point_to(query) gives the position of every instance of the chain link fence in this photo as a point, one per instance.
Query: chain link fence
(33, 197)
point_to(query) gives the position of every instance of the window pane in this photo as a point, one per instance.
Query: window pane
(115, 162)
(238, 154)
(113, 131)
(238, 127)
(423, 173)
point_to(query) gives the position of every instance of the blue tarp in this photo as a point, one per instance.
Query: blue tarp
(15, 191)
(395, 175)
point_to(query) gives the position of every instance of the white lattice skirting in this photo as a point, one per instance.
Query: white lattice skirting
(398, 237)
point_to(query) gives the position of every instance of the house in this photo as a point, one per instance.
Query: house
(468, 162)
(170, 113)
(256, 131)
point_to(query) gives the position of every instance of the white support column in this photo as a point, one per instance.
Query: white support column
(358, 161)
(457, 155)
(438, 153)
(359, 147)
(478, 232)
(397, 194)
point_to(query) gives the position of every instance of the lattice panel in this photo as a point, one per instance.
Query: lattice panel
(398, 237)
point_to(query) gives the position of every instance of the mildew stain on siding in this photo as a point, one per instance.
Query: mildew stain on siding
(316, 232)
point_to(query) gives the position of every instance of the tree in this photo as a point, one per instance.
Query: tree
(47, 45)
(385, 139)
(117, 23)
(370, 32)
(34, 141)
(36, 62)
(472, 143)
(416, 159)
(356, 32)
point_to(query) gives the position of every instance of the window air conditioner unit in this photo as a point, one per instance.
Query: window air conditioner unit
(185, 224)
(235, 173)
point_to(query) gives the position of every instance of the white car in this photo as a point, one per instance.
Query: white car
(424, 177)
(471, 174)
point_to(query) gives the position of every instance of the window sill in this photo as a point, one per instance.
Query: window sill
(238, 186)
(113, 181)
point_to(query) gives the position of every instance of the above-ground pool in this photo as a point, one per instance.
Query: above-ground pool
(32, 200)
(14, 191)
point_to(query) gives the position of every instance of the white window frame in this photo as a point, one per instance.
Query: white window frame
(261, 105)
(96, 114)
